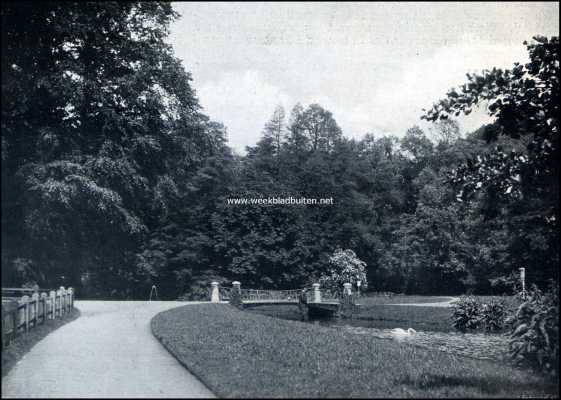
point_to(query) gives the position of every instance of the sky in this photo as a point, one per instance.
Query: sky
(375, 66)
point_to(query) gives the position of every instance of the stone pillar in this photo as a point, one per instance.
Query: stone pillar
(317, 293)
(347, 306)
(236, 297)
(214, 293)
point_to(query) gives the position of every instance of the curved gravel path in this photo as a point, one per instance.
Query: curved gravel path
(109, 351)
(447, 303)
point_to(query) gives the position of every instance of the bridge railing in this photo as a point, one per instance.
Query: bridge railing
(225, 294)
(331, 294)
(314, 294)
(257, 294)
(315, 298)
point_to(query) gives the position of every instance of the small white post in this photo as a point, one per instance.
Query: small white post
(237, 286)
(317, 293)
(347, 288)
(215, 293)
(523, 279)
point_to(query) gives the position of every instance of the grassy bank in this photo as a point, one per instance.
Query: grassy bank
(241, 354)
(23, 343)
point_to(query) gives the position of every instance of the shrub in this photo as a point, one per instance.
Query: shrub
(346, 267)
(507, 284)
(493, 315)
(197, 293)
(534, 339)
(466, 314)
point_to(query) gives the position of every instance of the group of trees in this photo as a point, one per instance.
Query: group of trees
(114, 180)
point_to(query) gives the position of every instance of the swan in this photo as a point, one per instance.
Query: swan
(400, 333)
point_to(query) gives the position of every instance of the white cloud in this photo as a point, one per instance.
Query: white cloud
(244, 102)
(374, 66)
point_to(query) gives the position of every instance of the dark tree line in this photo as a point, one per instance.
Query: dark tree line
(114, 180)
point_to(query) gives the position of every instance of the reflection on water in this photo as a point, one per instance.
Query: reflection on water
(475, 345)
(292, 313)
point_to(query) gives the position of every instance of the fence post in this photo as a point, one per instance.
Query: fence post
(71, 294)
(25, 301)
(44, 308)
(35, 308)
(4, 326)
(59, 300)
(15, 322)
(317, 293)
(62, 300)
(215, 293)
(52, 296)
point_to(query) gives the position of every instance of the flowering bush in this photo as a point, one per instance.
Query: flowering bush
(346, 267)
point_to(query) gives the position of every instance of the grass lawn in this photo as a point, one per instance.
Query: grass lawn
(241, 354)
(24, 342)
(379, 310)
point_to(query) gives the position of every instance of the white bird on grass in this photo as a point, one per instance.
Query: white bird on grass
(399, 333)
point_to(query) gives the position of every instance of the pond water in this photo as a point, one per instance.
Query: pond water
(483, 346)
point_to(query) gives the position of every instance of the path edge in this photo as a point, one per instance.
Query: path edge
(197, 375)
(9, 366)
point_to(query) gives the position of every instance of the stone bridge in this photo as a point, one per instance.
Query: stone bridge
(312, 302)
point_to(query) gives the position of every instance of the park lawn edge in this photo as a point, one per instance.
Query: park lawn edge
(218, 344)
(23, 344)
(184, 363)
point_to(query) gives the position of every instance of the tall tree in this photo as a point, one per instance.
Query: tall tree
(525, 102)
(100, 128)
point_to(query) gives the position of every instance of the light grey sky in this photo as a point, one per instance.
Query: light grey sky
(373, 65)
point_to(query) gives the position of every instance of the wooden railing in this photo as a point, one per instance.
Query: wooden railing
(31, 308)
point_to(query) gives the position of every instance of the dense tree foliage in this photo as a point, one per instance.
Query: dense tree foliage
(113, 180)
(101, 131)
(520, 183)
